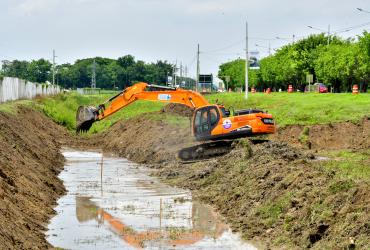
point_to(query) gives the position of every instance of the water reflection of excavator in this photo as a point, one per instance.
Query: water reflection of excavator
(210, 122)
(204, 224)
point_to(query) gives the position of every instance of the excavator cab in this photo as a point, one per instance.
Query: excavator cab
(214, 122)
(205, 119)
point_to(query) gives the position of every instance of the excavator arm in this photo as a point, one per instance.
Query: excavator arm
(87, 115)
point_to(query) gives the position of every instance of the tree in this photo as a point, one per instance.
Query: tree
(39, 71)
(342, 63)
(362, 71)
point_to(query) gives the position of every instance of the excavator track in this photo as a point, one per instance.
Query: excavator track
(208, 150)
(205, 150)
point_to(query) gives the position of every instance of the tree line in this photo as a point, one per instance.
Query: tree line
(331, 60)
(110, 73)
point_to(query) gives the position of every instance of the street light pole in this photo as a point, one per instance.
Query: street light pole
(198, 71)
(54, 66)
(362, 10)
(246, 60)
(322, 31)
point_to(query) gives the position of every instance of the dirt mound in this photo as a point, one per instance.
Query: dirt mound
(343, 135)
(276, 193)
(145, 140)
(177, 109)
(29, 164)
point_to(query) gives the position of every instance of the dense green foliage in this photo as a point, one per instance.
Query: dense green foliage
(35, 71)
(110, 73)
(340, 64)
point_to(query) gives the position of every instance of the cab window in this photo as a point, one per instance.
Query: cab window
(197, 121)
(204, 121)
(214, 116)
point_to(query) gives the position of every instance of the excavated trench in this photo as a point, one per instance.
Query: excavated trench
(269, 192)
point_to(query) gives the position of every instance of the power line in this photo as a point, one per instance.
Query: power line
(237, 43)
(351, 28)
(226, 47)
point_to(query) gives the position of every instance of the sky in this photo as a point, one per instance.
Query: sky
(169, 30)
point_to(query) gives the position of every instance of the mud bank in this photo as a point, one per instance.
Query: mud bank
(29, 164)
(342, 135)
(269, 192)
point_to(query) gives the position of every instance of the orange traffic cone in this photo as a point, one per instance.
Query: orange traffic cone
(355, 89)
(290, 89)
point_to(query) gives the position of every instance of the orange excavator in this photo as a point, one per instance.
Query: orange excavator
(210, 122)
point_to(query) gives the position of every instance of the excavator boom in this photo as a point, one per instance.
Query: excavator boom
(87, 115)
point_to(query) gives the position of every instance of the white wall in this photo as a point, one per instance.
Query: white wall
(88, 91)
(13, 89)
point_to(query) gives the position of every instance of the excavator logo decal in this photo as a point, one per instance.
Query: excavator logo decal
(226, 124)
(164, 97)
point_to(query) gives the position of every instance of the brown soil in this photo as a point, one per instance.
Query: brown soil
(177, 109)
(343, 135)
(30, 161)
(145, 140)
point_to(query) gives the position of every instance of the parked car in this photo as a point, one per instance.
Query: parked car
(319, 87)
(322, 88)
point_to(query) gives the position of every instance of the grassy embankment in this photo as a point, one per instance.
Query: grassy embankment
(302, 108)
(297, 108)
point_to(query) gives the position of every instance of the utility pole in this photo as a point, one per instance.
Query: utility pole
(246, 60)
(180, 69)
(198, 71)
(269, 49)
(186, 76)
(54, 66)
(174, 75)
(93, 76)
(293, 38)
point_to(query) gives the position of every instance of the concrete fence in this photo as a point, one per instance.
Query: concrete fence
(13, 89)
(88, 91)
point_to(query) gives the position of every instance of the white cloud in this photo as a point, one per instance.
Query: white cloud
(30, 7)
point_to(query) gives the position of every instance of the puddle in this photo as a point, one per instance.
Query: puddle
(117, 205)
(321, 158)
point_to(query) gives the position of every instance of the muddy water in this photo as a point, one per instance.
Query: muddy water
(113, 203)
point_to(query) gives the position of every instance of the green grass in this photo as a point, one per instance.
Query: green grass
(11, 107)
(271, 211)
(349, 165)
(62, 109)
(301, 108)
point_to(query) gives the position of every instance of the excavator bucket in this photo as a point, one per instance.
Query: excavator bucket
(85, 117)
